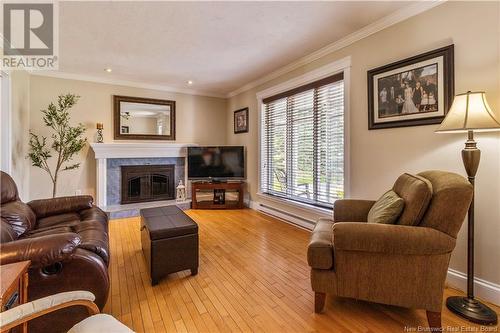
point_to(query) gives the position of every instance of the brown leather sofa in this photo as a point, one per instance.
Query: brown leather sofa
(66, 240)
(403, 264)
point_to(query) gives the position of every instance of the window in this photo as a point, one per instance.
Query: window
(302, 143)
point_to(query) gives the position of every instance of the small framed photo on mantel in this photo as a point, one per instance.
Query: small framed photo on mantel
(241, 121)
(411, 92)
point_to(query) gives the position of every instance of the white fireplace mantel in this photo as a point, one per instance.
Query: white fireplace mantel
(103, 151)
(139, 150)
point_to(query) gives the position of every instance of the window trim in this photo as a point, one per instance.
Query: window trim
(340, 66)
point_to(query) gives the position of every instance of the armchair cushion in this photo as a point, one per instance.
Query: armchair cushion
(350, 210)
(58, 220)
(416, 192)
(19, 216)
(7, 233)
(61, 205)
(451, 198)
(320, 249)
(387, 209)
(100, 323)
(390, 239)
(43, 304)
(42, 251)
(93, 235)
(8, 191)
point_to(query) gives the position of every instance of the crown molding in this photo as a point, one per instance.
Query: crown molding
(134, 84)
(311, 76)
(385, 22)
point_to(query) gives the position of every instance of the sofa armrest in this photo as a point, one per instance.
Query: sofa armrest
(351, 210)
(391, 239)
(61, 205)
(42, 251)
(320, 248)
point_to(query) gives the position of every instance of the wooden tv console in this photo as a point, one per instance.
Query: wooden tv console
(214, 195)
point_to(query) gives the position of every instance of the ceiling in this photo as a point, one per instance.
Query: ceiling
(220, 46)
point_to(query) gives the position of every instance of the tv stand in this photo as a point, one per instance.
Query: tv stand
(217, 195)
(217, 181)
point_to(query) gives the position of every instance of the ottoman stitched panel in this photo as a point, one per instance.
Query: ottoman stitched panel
(169, 241)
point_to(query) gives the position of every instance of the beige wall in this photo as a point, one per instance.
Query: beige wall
(378, 157)
(140, 125)
(20, 97)
(199, 119)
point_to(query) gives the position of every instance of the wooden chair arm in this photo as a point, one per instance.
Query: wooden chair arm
(37, 308)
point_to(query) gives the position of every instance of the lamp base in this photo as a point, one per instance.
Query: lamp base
(472, 310)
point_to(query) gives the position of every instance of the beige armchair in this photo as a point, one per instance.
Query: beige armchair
(97, 322)
(403, 264)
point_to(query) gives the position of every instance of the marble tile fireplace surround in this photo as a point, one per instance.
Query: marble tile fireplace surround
(111, 157)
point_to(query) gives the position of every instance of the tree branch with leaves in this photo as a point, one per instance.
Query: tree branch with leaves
(67, 140)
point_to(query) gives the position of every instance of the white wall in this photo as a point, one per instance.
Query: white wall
(5, 125)
(20, 114)
(199, 119)
(378, 157)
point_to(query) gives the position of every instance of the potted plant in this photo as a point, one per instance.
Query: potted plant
(67, 140)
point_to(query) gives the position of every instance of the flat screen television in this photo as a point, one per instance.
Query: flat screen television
(216, 163)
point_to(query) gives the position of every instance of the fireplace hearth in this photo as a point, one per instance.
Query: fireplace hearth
(141, 183)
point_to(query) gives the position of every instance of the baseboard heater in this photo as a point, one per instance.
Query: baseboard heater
(286, 216)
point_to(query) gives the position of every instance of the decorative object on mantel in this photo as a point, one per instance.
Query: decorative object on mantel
(411, 92)
(67, 140)
(470, 112)
(99, 127)
(138, 118)
(241, 121)
(181, 192)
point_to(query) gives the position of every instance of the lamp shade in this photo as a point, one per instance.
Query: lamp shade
(470, 111)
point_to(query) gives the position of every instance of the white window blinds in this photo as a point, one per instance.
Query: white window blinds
(302, 143)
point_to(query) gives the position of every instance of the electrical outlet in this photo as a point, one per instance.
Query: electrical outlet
(78, 192)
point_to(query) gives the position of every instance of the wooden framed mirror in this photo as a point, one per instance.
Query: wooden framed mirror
(137, 118)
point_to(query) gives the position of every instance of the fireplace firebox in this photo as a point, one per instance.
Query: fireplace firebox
(147, 183)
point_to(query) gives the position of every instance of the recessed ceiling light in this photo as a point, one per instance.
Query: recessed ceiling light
(109, 70)
(190, 82)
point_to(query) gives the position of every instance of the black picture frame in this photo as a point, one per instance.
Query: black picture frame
(446, 85)
(240, 121)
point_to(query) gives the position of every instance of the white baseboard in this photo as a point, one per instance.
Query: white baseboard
(292, 219)
(485, 290)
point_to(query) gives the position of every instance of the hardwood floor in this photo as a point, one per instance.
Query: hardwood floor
(253, 276)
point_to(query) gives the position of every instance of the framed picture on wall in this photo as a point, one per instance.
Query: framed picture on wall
(411, 92)
(241, 121)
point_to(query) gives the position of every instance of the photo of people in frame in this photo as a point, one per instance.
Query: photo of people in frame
(409, 92)
(241, 121)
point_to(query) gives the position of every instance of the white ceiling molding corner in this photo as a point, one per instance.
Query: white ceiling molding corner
(396, 17)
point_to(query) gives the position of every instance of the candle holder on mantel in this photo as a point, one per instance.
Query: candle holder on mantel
(99, 127)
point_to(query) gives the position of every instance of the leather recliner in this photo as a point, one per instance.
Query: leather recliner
(66, 239)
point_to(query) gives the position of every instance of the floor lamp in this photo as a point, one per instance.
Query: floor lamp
(470, 112)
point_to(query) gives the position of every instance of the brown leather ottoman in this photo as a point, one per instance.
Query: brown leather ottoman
(169, 241)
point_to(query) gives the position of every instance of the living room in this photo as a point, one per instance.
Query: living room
(215, 164)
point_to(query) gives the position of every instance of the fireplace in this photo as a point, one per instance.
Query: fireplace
(147, 183)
